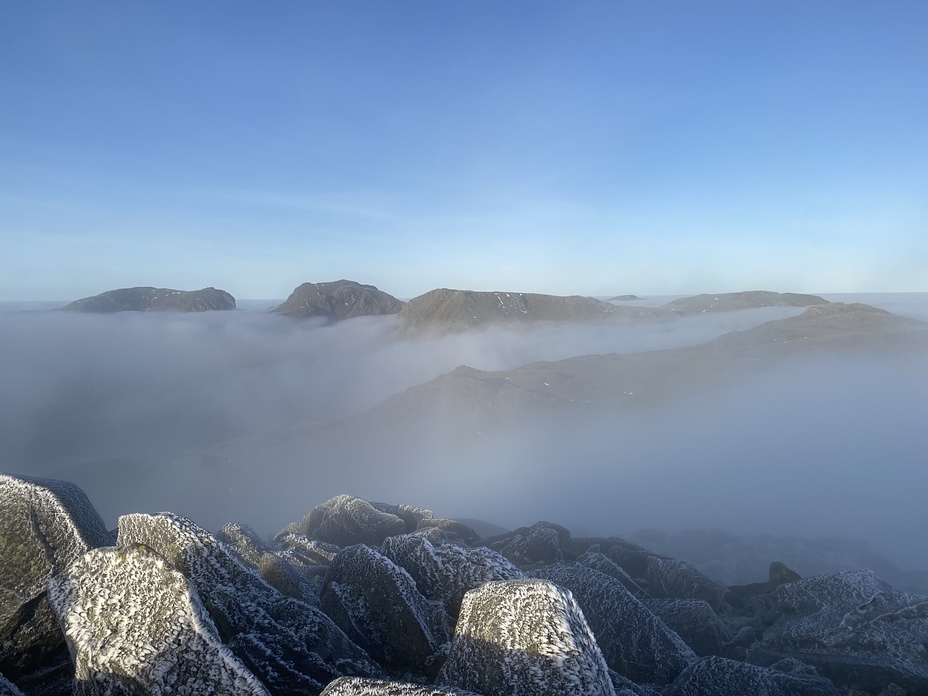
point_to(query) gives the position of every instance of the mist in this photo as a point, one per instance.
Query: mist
(222, 416)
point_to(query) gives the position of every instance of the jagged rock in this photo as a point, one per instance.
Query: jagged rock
(524, 637)
(291, 646)
(445, 572)
(44, 525)
(277, 572)
(719, 676)
(345, 520)
(352, 686)
(541, 544)
(635, 642)
(696, 623)
(378, 605)
(300, 550)
(680, 580)
(413, 516)
(148, 299)
(453, 528)
(602, 563)
(854, 629)
(134, 625)
(631, 557)
(339, 299)
(8, 688)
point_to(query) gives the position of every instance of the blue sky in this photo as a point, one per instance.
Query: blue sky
(571, 147)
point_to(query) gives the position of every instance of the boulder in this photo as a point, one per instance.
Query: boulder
(854, 629)
(277, 572)
(452, 529)
(292, 647)
(340, 299)
(444, 571)
(680, 580)
(631, 557)
(602, 563)
(524, 637)
(634, 642)
(345, 520)
(410, 514)
(719, 676)
(44, 526)
(541, 544)
(379, 606)
(134, 625)
(697, 624)
(353, 686)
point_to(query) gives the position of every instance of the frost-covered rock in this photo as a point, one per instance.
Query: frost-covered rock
(453, 528)
(44, 525)
(602, 563)
(680, 580)
(695, 622)
(634, 642)
(631, 557)
(719, 676)
(379, 606)
(134, 625)
(291, 646)
(254, 552)
(524, 637)
(299, 550)
(541, 544)
(345, 520)
(411, 515)
(8, 688)
(353, 686)
(445, 572)
(854, 629)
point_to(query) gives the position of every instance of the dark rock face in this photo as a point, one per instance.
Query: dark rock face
(290, 646)
(718, 676)
(680, 580)
(378, 606)
(602, 563)
(695, 622)
(459, 310)
(524, 637)
(634, 642)
(730, 301)
(8, 688)
(340, 299)
(44, 526)
(854, 629)
(148, 299)
(541, 544)
(352, 686)
(445, 572)
(345, 520)
(134, 625)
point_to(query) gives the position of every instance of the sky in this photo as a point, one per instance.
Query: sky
(591, 148)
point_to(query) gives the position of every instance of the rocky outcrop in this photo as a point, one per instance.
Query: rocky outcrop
(352, 686)
(345, 520)
(134, 625)
(340, 299)
(602, 563)
(459, 310)
(44, 526)
(680, 580)
(270, 565)
(291, 646)
(699, 626)
(731, 301)
(148, 299)
(634, 642)
(446, 572)
(524, 636)
(541, 544)
(854, 629)
(718, 676)
(378, 606)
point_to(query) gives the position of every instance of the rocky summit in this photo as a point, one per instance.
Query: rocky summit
(378, 599)
(731, 301)
(459, 310)
(147, 299)
(339, 299)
